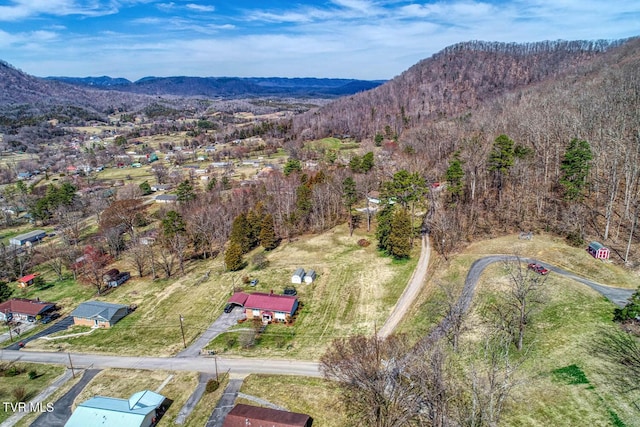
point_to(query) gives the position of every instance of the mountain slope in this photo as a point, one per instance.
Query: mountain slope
(455, 80)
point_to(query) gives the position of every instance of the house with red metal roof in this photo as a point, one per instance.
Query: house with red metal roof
(22, 309)
(266, 307)
(246, 415)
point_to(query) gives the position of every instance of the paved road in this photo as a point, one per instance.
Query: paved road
(242, 366)
(61, 325)
(62, 408)
(220, 325)
(410, 293)
(225, 404)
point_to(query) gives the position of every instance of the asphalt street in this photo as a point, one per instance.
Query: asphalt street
(62, 408)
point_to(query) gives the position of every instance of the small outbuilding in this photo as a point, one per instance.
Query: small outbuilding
(598, 250)
(298, 276)
(166, 198)
(98, 314)
(27, 280)
(310, 276)
(247, 415)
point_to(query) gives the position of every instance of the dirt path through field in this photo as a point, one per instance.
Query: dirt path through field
(410, 292)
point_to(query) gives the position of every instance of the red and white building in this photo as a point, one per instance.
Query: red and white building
(266, 307)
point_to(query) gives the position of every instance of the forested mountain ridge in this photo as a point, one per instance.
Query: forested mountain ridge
(457, 79)
(544, 100)
(227, 86)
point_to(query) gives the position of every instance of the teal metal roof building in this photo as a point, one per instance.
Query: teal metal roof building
(140, 410)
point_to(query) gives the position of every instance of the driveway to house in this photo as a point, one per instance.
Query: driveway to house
(220, 325)
(410, 293)
(61, 325)
(618, 296)
(225, 404)
(62, 407)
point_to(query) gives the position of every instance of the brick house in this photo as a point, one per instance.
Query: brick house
(98, 314)
(22, 309)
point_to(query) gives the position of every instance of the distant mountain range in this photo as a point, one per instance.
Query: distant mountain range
(227, 87)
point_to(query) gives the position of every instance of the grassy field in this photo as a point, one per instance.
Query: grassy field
(331, 144)
(21, 382)
(122, 384)
(557, 339)
(355, 291)
(312, 396)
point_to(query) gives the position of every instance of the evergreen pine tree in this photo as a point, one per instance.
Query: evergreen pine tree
(233, 257)
(575, 168)
(384, 227)
(268, 238)
(400, 235)
(240, 233)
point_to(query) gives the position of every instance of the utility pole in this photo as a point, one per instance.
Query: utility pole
(184, 342)
(71, 365)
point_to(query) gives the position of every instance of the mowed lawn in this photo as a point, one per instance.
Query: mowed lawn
(354, 293)
(558, 335)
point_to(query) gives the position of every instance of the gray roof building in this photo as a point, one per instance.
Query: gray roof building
(32, 236)
(99, 313)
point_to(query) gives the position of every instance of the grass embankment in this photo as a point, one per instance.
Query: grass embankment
(561, 382)
(21, 382)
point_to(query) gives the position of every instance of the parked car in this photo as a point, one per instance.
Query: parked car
(290, 291)
(254, 282)
(228, 308)
(537, 268)
(49, 318)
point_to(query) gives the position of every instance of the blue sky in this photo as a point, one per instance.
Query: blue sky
(367, 39)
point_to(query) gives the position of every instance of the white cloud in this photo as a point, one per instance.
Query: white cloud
(200, 8)
(21, 9)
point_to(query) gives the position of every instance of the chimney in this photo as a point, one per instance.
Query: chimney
(271, 294)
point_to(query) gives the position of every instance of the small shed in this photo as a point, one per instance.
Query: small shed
(598, 250)
(310, 276)
(27, 280)
(298, 276)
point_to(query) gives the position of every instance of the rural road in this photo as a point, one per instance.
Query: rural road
(243, 366)
(410, 292)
